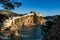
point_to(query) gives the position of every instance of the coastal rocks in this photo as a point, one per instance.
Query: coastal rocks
(15, 22)
(52, 31)
(23, 21)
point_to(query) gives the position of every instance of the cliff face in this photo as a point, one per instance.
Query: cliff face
(16, 22)
(29, 20)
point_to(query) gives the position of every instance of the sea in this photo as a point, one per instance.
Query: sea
(36, 33)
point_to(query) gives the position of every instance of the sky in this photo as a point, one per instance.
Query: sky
(44, 7)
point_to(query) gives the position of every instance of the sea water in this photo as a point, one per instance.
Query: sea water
(35, 33)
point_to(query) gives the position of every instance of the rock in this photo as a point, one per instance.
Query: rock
(14, 22)
(53, 29)
(25, 20)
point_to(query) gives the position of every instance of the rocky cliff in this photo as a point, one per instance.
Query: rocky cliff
(18, 21)
(13, 22)
(52, 28)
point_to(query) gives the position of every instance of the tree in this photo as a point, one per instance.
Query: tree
(10, 4)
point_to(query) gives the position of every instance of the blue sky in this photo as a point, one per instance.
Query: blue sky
(45, 7)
